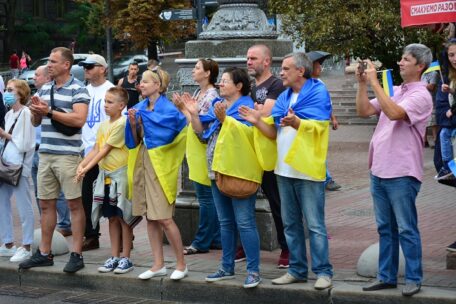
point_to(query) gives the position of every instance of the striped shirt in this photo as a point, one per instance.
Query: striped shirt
(52, 141)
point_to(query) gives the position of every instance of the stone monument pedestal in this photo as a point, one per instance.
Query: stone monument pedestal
(451, 260)
(187, 219)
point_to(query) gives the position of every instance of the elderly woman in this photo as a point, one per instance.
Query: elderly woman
(230, 153)
(205, 74)
(18, 148)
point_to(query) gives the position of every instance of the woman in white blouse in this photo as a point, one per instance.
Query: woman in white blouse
(18, 148)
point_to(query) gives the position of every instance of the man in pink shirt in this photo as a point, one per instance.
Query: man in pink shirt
(396, 164)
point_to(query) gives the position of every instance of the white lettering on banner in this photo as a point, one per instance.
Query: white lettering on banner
(433, 8)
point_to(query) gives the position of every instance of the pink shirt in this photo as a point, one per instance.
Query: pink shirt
(397, 147)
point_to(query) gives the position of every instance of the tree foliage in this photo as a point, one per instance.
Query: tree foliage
(137, 21)
(359, 28)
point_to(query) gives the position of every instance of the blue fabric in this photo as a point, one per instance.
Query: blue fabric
(209, 228)
(445, 143)
(313, 102)
(232, 111)
(161, 125)
(305, 199)
(397, 223)
(238, 213)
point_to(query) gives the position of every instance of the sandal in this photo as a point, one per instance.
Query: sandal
(192, 250)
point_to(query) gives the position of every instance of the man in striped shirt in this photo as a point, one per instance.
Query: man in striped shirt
(59, 156)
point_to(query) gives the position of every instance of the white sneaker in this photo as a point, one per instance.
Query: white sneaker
(323, 283)
(21, 255)
(7, 252)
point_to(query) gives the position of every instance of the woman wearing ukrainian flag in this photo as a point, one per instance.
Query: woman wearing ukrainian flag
(230, 152)
(155, 134)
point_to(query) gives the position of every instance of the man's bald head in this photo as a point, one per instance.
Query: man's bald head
(41, 76)
(259, 60)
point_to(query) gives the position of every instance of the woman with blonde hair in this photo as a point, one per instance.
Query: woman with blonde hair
(155, 134)
(18, 148)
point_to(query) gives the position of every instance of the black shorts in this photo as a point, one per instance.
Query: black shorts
(108, 210)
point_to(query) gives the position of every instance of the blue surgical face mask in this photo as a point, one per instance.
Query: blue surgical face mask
(9, 99)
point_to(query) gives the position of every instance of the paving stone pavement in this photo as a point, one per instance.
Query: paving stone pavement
(349, 218)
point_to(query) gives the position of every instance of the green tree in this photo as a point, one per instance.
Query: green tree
(137, 21)
(359, 28)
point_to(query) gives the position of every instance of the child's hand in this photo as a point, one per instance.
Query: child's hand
(132, 116)
(449, 114)
(80, 173)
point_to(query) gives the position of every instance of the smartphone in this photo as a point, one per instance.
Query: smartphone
(362, 67)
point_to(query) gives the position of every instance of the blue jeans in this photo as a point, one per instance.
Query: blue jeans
(209, 228)
(63, 212)
(305, 199)
(238, 213)
(445, 144)
(397, 223)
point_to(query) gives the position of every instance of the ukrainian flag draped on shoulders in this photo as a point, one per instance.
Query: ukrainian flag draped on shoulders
(234, 154)
(164, 137)
(307, 154)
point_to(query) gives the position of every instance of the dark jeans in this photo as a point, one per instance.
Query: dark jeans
(87, 200)
(270, 189)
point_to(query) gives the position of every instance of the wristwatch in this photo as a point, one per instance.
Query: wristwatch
(49, 114)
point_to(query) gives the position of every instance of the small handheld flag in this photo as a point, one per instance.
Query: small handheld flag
(387, 80)
(434, 66)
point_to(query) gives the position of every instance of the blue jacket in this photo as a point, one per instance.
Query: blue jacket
(441, 107)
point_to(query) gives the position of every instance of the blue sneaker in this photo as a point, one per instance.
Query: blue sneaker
(109, 265)
(252, 280)
(125, 265)
(220, 275)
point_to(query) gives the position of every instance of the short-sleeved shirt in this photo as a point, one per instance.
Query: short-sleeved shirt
(113, 134)
(71, 93)
(14, 61)
(96, 114)
(396, 148)
(269, 89)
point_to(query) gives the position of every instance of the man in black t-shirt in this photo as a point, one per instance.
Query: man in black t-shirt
(265, 90)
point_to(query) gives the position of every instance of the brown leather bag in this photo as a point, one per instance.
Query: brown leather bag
(235, 187)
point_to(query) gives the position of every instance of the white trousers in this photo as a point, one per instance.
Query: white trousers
(24, 207)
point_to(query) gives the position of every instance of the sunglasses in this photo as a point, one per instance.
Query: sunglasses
(158, 74)
(90, 66)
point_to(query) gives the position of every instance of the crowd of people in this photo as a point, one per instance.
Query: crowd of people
(100, 151)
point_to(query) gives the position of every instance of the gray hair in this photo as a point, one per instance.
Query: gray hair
(301, 60)
(45, 69)
(421, 53)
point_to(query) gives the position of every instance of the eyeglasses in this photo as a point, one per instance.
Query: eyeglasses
(90, 66)
(225, 81)
(9, 90)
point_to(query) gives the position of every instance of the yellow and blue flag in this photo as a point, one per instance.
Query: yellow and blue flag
(387, 80)
(308, 152)
(434, 66)
(164, 137)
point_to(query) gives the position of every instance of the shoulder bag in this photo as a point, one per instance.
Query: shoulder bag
(10, 173)
(235, 187)
(64, 129)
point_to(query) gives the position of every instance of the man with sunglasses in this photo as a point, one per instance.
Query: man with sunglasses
(95, 67)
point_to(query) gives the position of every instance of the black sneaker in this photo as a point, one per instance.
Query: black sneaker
(38, 260)
(75, 263)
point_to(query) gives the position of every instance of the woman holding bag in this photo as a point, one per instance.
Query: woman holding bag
(18, 148)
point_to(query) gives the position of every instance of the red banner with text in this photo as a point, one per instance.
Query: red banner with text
(419, 12)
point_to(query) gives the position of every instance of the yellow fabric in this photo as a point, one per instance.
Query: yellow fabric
(234, 153)
(113, 134)
(265, 148)
(166, 161)
(196, 159)
(308, 152)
